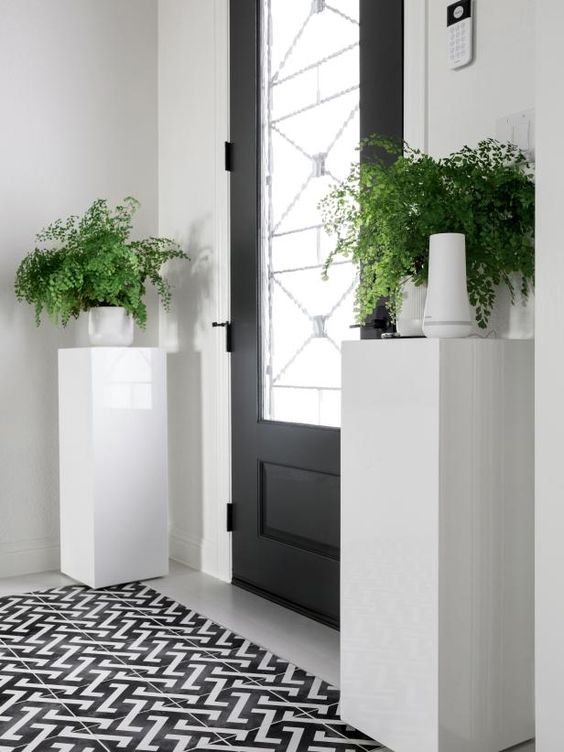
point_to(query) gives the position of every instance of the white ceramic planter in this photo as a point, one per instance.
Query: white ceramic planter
(410, 316)
(113, 464)
(110, 326)
(447, 308)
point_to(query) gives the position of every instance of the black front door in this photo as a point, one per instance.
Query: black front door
(300, 73)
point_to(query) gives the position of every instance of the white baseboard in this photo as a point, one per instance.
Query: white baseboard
(40, 555)
(43, 555)
(186, 550)
(196, 553)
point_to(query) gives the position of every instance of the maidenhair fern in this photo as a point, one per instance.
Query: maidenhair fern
(383, 213)
(83, 262)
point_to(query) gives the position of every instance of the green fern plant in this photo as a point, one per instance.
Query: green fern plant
(83, 262)
(383, 213)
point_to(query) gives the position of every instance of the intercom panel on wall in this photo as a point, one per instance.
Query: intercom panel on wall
(460, 33)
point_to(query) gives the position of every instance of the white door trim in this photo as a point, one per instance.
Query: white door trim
(416, 81)
(222, 449)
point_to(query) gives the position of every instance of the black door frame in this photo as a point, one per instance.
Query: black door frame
(381, 67)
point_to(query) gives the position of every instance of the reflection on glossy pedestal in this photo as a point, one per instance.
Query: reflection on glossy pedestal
(437, 543)
(113, 464)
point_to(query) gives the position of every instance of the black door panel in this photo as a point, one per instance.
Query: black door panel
(286, 476)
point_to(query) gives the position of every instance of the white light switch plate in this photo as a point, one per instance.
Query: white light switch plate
(518, 129)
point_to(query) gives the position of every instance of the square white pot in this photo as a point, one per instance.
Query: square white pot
(113, 464)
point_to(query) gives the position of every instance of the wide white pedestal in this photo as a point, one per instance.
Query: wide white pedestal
(113, 464)
(437, 543)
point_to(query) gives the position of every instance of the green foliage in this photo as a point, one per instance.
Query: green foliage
(383, 213)
(81, 263)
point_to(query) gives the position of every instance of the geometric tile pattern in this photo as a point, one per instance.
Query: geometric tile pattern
(126, 668)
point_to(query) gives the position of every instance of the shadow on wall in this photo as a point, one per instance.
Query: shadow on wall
(29, 419)
(182, 332)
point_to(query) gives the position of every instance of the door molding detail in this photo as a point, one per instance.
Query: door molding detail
(198, 536)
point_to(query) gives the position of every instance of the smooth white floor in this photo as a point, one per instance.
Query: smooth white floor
(291, 636)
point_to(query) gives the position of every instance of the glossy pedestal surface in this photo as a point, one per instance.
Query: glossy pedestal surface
(437, 543)
(113, 464)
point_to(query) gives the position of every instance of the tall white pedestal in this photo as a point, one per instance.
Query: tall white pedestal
(113, 464)
(437, 543)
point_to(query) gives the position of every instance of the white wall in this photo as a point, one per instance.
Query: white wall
(446, 109)
(193, 208)
(549, 382)
(96, 94)
(78, 86)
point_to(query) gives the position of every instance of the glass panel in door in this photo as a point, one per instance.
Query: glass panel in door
(309, 135)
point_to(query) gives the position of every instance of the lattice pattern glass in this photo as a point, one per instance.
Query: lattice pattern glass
(310, 129)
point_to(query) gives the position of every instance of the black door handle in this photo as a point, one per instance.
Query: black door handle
(227, 325)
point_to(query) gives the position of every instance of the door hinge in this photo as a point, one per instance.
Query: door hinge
(228, 156)
(227, 326)
(229, 518)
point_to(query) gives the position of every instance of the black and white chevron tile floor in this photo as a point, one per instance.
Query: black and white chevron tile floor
(127, 668)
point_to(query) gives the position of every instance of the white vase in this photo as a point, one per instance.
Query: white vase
(110, 326)
(409, 321)
(447, 308)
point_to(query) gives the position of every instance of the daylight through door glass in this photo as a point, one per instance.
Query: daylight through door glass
(310, 130)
